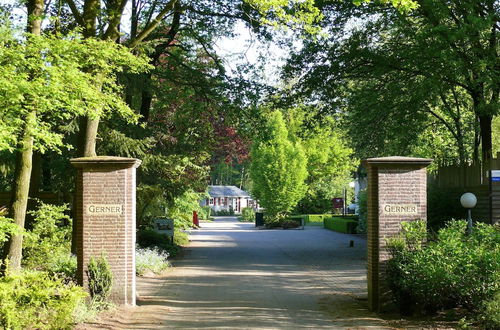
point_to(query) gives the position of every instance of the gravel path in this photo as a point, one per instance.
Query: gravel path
(235, 276)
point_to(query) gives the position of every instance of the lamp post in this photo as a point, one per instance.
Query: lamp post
(468, 201)
(351, 185)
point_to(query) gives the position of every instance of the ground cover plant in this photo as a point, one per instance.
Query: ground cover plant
(150, 260)
(451, 270)
(37, 300)
(247, 214)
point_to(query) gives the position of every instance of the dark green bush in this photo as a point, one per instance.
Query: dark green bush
(274, 220)
(247, 214)
(453, 270)
(100, 279)
(290, 223)
(149, 238)
(314, 204)
(443, 205)
(345, 225)
(36, 300)
(362, 212)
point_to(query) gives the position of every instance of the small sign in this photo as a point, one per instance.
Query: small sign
(495, 176)
(338, 203)
(104, 209)
(165, 226)
(399, 209)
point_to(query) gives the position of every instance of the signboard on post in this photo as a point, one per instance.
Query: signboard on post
(165, 226)
(495, 176)
(338, 203)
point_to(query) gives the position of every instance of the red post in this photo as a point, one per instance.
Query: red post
(196, 222)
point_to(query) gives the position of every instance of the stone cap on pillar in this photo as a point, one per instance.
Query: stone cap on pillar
(397, 161)
(105, 162)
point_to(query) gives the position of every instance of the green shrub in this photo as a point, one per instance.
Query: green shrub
(36, 300)
(290, 223)
(205, 213)
(64, 267)
(225, 212)
(453, 270)
(7, 228)
(362, 212)
(150, 259)
(315, 218)
(100, 279)
(247, 214)
(49, 240)
(150, 238)
(343, 225)
(490, 317)
(274, 220)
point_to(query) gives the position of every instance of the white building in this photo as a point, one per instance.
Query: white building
(227, 198)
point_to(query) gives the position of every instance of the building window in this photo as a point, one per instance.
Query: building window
(211, 201)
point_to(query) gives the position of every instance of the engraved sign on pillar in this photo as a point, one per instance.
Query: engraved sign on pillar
(397, 191)
(105, 220)
(104, 209)
(397, 209)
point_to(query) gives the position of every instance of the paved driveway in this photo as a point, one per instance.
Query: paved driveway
(234, 276)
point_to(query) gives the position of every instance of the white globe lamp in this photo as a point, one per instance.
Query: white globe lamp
(468, 201)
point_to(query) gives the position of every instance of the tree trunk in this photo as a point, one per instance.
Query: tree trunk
(485, 125)
(14, 246)
(146, 100)
(89, 148)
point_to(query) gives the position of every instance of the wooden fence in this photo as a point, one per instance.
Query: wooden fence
(473, 178)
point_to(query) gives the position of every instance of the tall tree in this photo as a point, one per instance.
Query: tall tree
(25, 147)
(279, 167)
(438, 64)
(47, 82)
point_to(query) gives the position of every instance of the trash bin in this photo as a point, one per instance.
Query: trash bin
(259, 219)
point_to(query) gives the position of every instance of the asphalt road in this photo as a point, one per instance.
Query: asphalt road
(234, 276)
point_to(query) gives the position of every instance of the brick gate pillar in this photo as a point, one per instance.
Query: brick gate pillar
(397, 191)
(105, 220)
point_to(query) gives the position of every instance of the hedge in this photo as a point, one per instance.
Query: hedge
(319, 218)
(343, 225)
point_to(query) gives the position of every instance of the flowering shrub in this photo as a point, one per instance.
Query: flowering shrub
(150, 259)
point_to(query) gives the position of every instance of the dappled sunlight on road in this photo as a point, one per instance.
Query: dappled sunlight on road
(235, 276)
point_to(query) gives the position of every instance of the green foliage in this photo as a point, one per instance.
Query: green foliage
(342, 225)
(151, 204)
(490, 316)
(48, 243)
(443, 205)
(290, 223)
(74, 77)
(150, 260)
(247, 214)
(275, 220)
(495, 132)
(279, 168)
(148, 238)
(35, 300)
(304, 15)
(7, 228)
(399, 83)
(362, 212)
(454, 270)
(204, 213)
(100, 279)
(224, 212)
